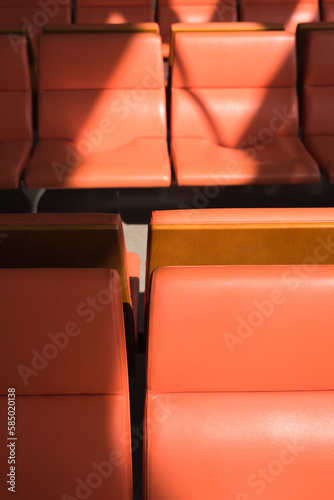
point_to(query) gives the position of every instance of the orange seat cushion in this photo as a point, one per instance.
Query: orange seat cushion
(283, 161)
(61, 164)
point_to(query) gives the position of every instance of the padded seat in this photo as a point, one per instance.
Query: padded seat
(101, 125)
(239, 398)
(75, 241)
(67, 363)
(16, 136)
(134, 164)
(114, 11)
(318, 100)
(288, 12)
(237, 124)
(279, 162)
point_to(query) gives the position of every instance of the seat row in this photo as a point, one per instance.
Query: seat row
(102, 112)
(239, 384)
(38, 13)
(182, 237)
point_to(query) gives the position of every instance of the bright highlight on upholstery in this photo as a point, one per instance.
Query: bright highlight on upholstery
(288, 12)
(102, 116)
(192, 12)
(69, 371)
(213, 27)
(318, 100)
(16, 135)
(114, 11)
(235, 112)
(239, 398)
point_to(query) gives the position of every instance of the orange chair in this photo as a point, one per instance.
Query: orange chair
(236, 122)
(102, 119)
(34, 15)
(318, 100)
(240, 379)
(67, 363)
(327, 9)
(75, 241)
(192, 11)
(288, 12)
(16, 135)
(114, 11)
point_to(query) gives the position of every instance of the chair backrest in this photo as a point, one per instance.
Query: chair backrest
(240, 372)
(327, 10)
(302, 35)
(66, 361)
(15, 89)
(69, 241)
(318, 94)
(33, 16)
(213, 27)
(35, 13)
(193, 11)
(114, 11)
(227, 102)
(112, 82)
(288, 12)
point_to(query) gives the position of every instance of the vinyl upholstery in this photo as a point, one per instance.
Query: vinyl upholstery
(100, 125)
(288, 12)
(15, 104)
(67, 362)
(318, 100)
(239, 396)
(114, 11)
(72, 240)
(327, 9)
(236, 122)
(191, 12)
